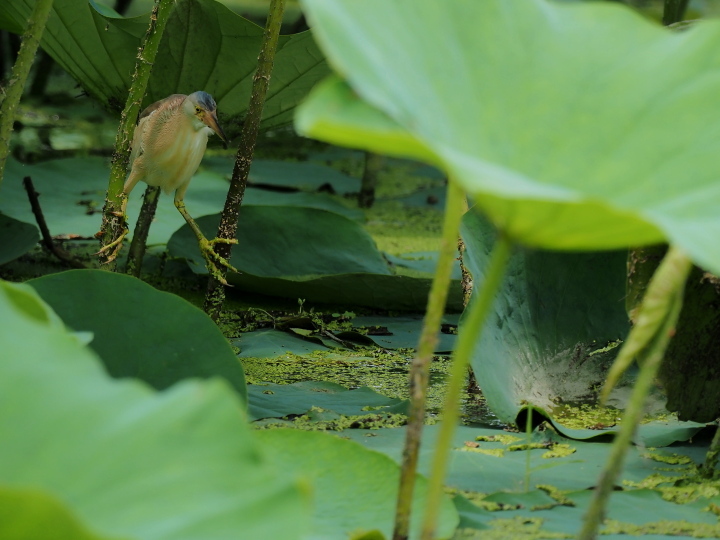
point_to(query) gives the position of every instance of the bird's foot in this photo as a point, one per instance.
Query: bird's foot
(112, 250)
(213, 261)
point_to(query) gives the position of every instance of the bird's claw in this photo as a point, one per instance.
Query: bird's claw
(212, 259)
(113, 248)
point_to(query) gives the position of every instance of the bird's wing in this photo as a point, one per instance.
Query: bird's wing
(172, 101)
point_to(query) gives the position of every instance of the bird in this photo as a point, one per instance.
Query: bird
(167, 147)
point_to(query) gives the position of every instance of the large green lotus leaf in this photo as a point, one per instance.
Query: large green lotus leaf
(139, 331)
(32, 514)
(72, 193)
(553, 333)
(267, 400)
(355, 489)
(357, 289)
(571, 123)
(292, 243)
(205, 47)
(16, 238)
(495, 466)
(311, 254)
(643, 510)
(128, 462)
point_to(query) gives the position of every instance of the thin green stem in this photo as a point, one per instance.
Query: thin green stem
(528, 441)
(467, 338)
(215, 295)
(420, 368)
(113, 220)
(660, 311)
(18, 78)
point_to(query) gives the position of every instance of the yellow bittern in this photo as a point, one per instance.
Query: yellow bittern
(167, 148)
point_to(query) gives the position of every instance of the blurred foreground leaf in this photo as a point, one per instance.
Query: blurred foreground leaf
(128, 462)
(576, 126)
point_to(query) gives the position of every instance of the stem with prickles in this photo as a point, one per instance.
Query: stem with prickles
(113, 221)
(215, 296)
(18, 78)
(420, 368)
(467, 338)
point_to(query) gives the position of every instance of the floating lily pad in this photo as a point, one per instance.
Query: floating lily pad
(494, 466)
(301, 176)
(291, 243)
(139, 331)
(270, 343)
(311, 254)
(267, 400)
(355, 490)
(16, 238)
(404, 332)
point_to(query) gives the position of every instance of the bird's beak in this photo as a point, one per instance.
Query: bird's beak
(210, 118)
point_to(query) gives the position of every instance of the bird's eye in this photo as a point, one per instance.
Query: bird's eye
(197, 110)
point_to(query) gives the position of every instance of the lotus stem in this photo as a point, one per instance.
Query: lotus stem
(467, 338)
(420, 368)
(215, 295)
(373, 164)
(18, 78)
(113, 220)
(711, 458)
(142, 229)
(647, 342)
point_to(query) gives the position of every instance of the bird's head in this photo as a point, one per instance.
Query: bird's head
(202, 107)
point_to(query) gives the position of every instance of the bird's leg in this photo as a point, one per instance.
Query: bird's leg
(212, 259)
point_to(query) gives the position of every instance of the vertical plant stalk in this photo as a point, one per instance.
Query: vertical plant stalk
(18, 77)
(711, 458)
(373, 164)
(648, 340)
(215, 295)
(420, 368)
(467, 337)
(674, 11)
(142, 228)
(113, 221)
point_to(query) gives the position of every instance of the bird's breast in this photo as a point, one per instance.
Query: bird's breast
(172, 155)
